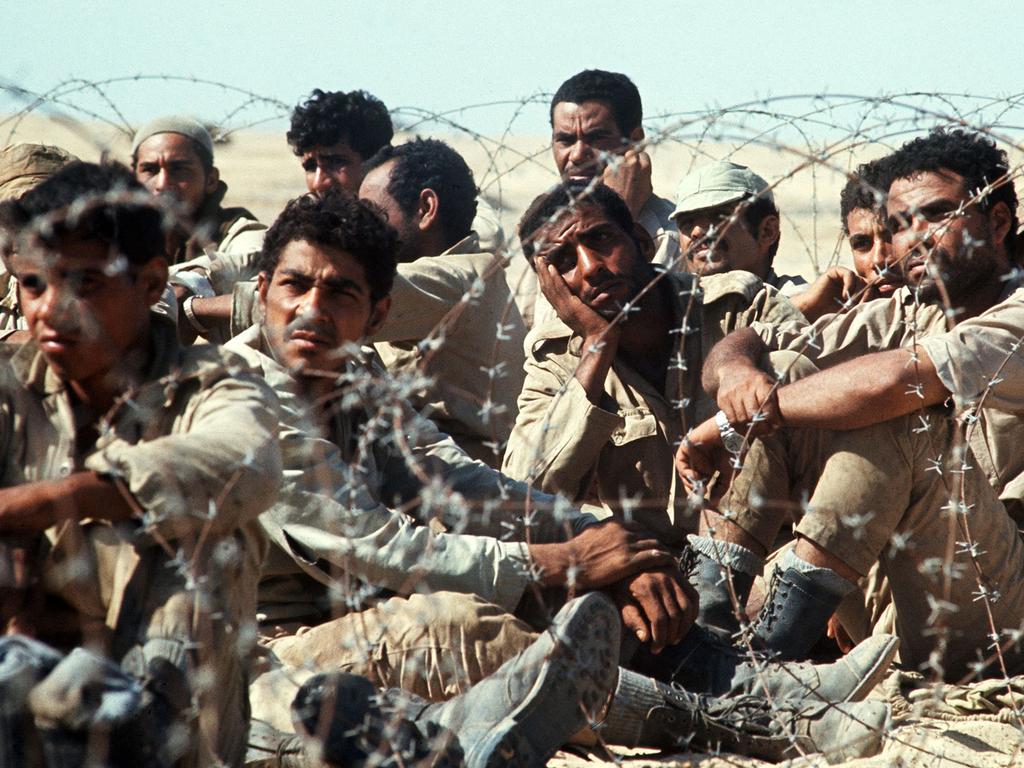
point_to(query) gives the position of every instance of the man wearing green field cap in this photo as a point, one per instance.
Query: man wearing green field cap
(727, 220)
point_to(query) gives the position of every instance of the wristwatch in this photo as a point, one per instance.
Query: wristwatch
(731, 439)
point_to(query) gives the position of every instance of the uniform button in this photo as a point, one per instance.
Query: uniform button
(65, 470)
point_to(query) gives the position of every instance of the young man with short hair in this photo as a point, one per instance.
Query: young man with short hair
(862, 213)
(134, 475)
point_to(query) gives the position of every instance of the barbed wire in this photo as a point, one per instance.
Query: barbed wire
(808, 143)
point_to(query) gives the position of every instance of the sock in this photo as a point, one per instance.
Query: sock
(635, 696)
(726, 553)
(825, 577)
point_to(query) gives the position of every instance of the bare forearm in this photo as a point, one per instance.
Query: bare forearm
(595, 362)
(552, 562)
(34, 507)
(209, 313)
(864, 391)
(740, 349)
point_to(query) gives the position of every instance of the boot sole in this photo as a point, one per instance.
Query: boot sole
(581, 668)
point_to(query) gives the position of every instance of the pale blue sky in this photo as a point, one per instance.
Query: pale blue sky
(444, 55)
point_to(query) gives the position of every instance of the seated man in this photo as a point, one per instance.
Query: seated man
(134, 470)
(909, 481)
(452, 316)
(728, 220)
(612, 384)
(333, 133)
(353, 447)
(174, 156)
(596, 136)
(345, 466)
(596, 127)
(862, 213)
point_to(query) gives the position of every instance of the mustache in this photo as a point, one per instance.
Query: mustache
(311, 324)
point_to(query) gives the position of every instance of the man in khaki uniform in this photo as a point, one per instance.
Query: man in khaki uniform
(597, 135)
(173, 156)
(727, 220)
(608, 397)
(22, 166)
(900, 490)
(328, 271)
(134, 472)
(455, 322)
(862, 216)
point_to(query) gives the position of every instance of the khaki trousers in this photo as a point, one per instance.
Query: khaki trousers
(435, 646)
(906, 494)
(186, 628)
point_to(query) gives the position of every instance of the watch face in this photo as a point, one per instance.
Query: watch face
(733, 441)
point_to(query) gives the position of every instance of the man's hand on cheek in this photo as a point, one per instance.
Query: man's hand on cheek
(630, 177)
(570, 309)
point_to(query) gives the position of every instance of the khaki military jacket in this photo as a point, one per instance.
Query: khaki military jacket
(453, 318)
(966, 358)
(375, 497)
(194, 445)
(619, 455)
(219, 229)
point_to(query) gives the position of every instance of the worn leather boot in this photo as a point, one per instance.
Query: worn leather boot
(535, 702)
(519, 716)
(753, 726)
(794, 616)
(713, 563)
(704, 663)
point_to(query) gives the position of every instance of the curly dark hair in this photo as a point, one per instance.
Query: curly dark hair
(431, 164)
(756, 211)
(864, 189)
(967, 153)
(329, 117)
(337, 220)
(611, 88)
(95, 202)
(567, 195)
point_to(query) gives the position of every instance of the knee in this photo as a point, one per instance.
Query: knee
(789, 366)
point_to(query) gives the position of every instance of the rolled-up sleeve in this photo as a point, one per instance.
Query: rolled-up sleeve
(218, 469)
(559, 434)
(982, 357)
